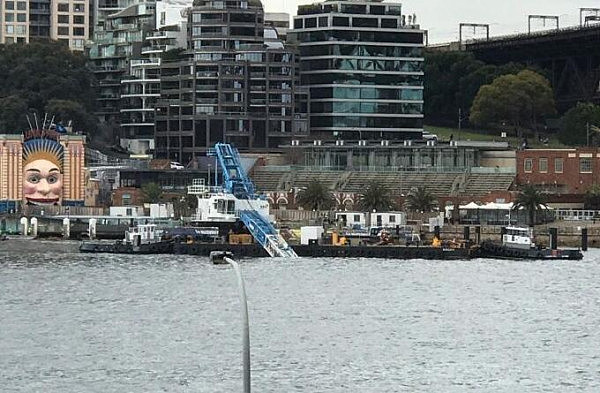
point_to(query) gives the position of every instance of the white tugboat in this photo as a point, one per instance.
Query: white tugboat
(519, 243)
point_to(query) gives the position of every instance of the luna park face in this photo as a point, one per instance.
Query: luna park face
(42, 183)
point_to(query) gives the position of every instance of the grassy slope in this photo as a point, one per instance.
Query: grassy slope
(480, 135)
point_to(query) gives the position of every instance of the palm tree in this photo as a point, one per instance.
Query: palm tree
(531, 200)
(376, 197)
(315, 197)
(419, 199)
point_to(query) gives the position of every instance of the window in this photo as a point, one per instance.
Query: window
(63, 30)
(126, 199)
(78, 43)
(585, 165)
(79, 19)
(543, 165)
(323, 21)
(392, 219)
(21, 5)
(9, 40)
(9, 17)
(341, 21)
(78, 31)
(10, 29)
(357, 218)
(310, 22)
(78, 7)
(9, 5)
(20, 29)
(63, 18)
(389, 23)
(528, 165)
(21, 17)
(558, 165)
(63, 7)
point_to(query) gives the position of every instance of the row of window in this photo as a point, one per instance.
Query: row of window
(361, 36)
(362, 93)
(362, 79)
(77, 19)
(77, 7)
(365, 107)
(15, 29)
(10, 5)
(323, 21)
(77, 31)
(585, 165)
(361, 50)
(362, 65)
(10, 17)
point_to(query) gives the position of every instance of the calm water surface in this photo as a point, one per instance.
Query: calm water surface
(114, 323)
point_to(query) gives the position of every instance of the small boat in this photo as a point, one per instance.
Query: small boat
(141, 239)
(519, 243)
(218, 257)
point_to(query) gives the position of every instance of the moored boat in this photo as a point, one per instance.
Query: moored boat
(519, 243)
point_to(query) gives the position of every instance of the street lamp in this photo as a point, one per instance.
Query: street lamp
(246, 324)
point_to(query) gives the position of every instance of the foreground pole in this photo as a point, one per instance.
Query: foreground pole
(246, 333)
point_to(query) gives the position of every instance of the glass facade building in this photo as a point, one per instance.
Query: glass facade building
(364, 66)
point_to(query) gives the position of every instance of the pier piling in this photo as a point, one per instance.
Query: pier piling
(584, 239)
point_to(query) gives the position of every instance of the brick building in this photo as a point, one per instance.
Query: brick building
(559, 171)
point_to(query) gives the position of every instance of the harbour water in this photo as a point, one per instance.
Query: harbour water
(112, 323)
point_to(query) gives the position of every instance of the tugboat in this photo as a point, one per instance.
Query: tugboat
(518, 243)
(141, 239)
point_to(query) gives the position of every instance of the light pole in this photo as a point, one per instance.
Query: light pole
(246, 324)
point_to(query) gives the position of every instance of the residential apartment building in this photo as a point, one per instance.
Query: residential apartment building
(115, 43)
(64, 20)
(70, 22)
(559, 171)
(364, 66)
(237, 83)
(141, 85)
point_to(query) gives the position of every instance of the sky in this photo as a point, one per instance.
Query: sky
(442, 17)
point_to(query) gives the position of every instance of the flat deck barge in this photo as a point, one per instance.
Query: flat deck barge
(256, 251)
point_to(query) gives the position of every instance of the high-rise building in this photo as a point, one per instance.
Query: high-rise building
(237, 83)
(118, 40)
(70, 22)
(63, 20)
(364, 66)
(141, 85)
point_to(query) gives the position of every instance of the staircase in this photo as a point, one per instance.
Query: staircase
(264, 233)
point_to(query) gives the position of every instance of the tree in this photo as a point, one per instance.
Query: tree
(574, 124)
(420, 199)
(151, 193)
(531, 200)
(31, 75)
(315, 196)
(592, 197)
(522, 100)
(66, 111)
(452, 82)
(376, 197)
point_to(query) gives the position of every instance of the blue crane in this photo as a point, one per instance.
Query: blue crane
(237, 182)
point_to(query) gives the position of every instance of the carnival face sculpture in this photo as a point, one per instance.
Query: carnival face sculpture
(42, 172)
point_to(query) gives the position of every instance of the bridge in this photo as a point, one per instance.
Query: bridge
(569, 56)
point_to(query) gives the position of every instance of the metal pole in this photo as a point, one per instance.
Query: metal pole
(587, 134)
(246, 334)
